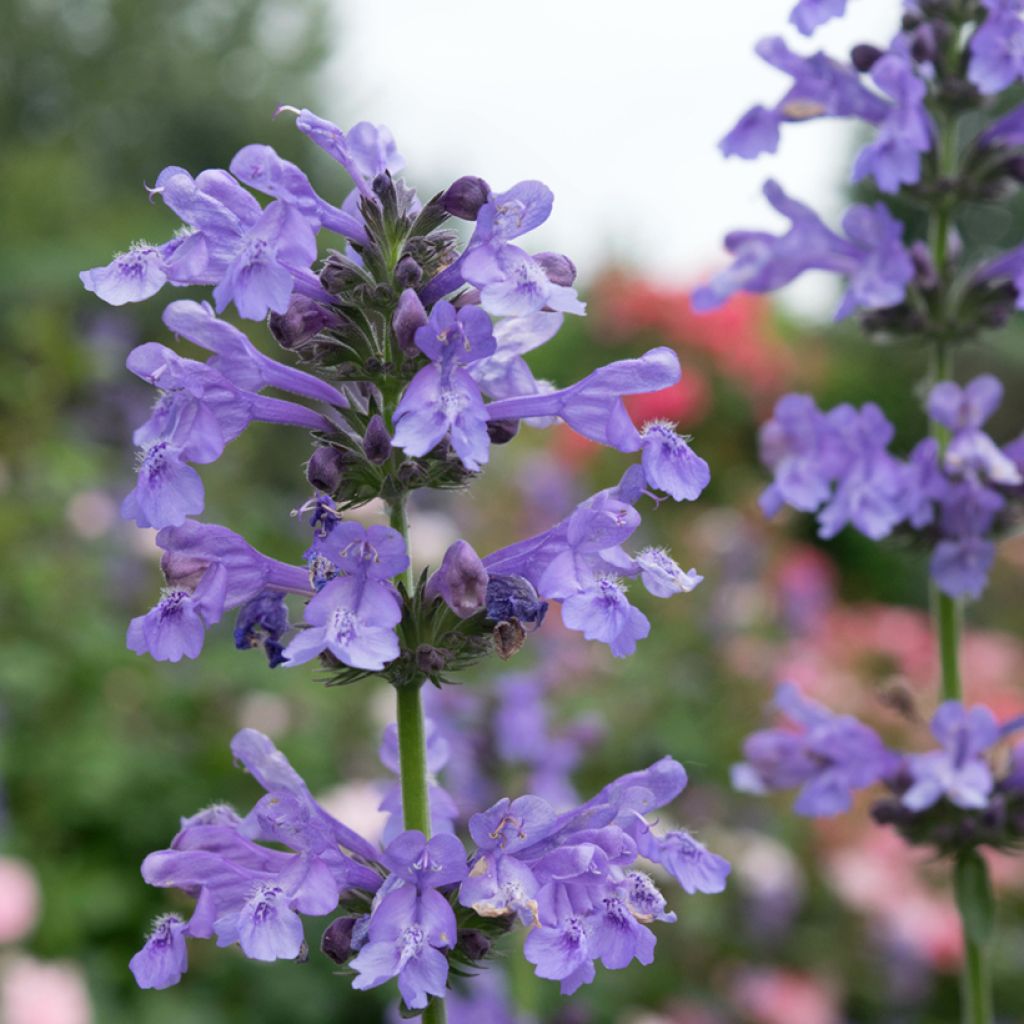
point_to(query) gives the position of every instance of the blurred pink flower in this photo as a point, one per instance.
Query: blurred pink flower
(19, 908)
(35, 992)
(771, 995)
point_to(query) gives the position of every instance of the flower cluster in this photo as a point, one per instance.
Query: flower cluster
(958, 794)
(837, 464)
(413, 365)
(574, 879)
(903, 95)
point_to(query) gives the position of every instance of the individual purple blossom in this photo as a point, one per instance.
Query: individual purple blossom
(167, 489)
(870, 494)
(662, 575)
(602, 612)
(262, 622)
(436, 406)
(209, 569)
(164, 958)
(827, 756)
(513, 283)
(412, 922)
(872, 257)
(237, 359)
(958, 771)
(131, 276)
(365, 151)
(670, 465)
(822, 87)
(997, 48)
(352, 619)
(963, 557)
(507, 215)
(893, 158)
(453, 337)
(593, 406)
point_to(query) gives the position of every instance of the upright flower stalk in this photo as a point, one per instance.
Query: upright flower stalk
(410, 352)
(957, 490)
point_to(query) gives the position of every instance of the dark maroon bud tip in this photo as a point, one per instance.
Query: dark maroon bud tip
(474, 943)
(377, 442)
(411, 474)
(326, 468)
(336, 943)
(864, 56)
(430, 660)
(502, 431)
(303, 320)
(465, 197)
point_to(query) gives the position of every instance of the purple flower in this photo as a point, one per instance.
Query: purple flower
(687, 860)
(810, 14)
(871, 492)
(508, 215)
(167, 489)
(821, 87)
(560, 948)
(828, 756)
(958, 771)
(513, 283)
(252, 256)
(262, 622)
(894, 157)
(365, 151)
(453, 337)
(237, 359)
(997, 48)
(208, 570)
(164, 958)
(352, 619)
(131, 276)
(593, 406)
(873, 258)
(602, 612)
(670, 465)
(505, 374)
(436, 406)
(662, 575)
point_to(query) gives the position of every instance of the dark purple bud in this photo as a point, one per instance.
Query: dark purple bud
(864, 56)
(465, 197)
(924, 265)
(890, 812)
(339, 274)
(502, 431)
(460, 581)
(303, 321)
(509, 638)
(377, 442)
(514, 597)
(411, 474)
(558, 268)
(924, 44)
(326, 468)
(409, 317)
(430, 660)
(1014, 168)
(336, 943)
(408, 273)
(474, 943)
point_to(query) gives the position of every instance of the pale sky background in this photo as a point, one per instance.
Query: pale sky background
(616, 104)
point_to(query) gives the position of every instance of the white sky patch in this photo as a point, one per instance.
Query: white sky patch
(618, 107)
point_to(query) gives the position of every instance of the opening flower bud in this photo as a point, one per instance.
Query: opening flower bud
(460, 581)
(377, 442)
(410, 316)
(326, 468)
(465, 197)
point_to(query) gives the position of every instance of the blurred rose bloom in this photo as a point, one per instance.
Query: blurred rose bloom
(770, 995)
(34, 992)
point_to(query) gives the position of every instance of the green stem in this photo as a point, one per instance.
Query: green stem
(976, 991)
(412, 747)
